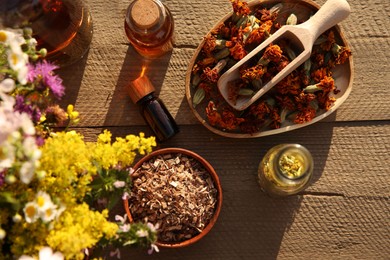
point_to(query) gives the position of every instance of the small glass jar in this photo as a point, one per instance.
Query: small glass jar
(286, 169)
(149, 27)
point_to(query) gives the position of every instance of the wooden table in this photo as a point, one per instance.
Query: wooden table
(345, 213)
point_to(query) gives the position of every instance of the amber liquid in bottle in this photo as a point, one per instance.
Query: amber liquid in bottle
(62, 27)
(149, 26)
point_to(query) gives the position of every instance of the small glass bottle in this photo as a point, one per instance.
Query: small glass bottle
(286, 169)
(153, 110)
(149, 26)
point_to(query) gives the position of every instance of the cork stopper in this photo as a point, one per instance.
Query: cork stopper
(140, 88)
(145, 14)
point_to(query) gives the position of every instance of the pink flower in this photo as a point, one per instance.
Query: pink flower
(43, 73)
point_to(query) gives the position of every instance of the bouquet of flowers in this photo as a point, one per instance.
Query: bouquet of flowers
(56, 189)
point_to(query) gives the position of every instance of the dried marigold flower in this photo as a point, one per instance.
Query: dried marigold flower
(240, 8)
(258, 35)
(227, 121)
(237, 51)
(327, 45)
(325, 101)
(266, 15)
(289, 85)
(286, 102)
(305, 115)
(304, 99)
(213, 116)
(342, 53)
(209, 45)
(320, 73)
(233, 88)
(230, 121)
(276, 119)
(212, 75)
(260, 110)
(207, 88)
(252, 73)
(326, 84)
(206, 62)
(273, 53)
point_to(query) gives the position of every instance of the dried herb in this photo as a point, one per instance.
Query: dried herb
(175, 192)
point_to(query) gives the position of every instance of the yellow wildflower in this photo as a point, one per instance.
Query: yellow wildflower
(79, 228)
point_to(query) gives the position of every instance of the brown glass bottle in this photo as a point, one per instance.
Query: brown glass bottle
(149, 26)
(153, 110)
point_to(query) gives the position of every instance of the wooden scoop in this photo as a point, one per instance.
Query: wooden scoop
(301, 36)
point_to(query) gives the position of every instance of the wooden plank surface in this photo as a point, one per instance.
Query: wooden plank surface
(344, 214)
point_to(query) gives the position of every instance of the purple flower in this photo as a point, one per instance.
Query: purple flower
(43, 73)
(2, 177)
(22, 107)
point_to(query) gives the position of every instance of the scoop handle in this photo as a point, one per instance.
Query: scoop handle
(330, 14)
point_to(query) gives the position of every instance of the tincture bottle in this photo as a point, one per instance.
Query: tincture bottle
(149, 26)
(153, 110)
(286, 169)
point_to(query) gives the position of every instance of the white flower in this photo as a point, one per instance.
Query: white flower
(119, 184)
(17, 59)
(125, 196)
(46, 253)
(26, 172)
(152, 227)
(49, 214)
(7, 85)
(2, 234)
(116, 253)
(153, 247)
(142, 233)
(17, 218)
(121, 219)
(7, 155)
(43, 201)
(124, 228)
(31, 212)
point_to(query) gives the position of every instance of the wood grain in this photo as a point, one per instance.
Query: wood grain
(344, 214)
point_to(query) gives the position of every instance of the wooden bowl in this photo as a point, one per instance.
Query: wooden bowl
(343, 74)
(215, 179)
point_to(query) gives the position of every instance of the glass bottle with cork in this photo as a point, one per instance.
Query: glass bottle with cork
(153, 110)
(149, 26)
(286, 169)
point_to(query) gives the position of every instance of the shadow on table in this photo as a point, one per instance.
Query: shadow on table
(72, 76)
(121, 109)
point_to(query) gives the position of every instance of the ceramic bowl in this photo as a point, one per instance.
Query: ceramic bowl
(216, 182)
(343, 74)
